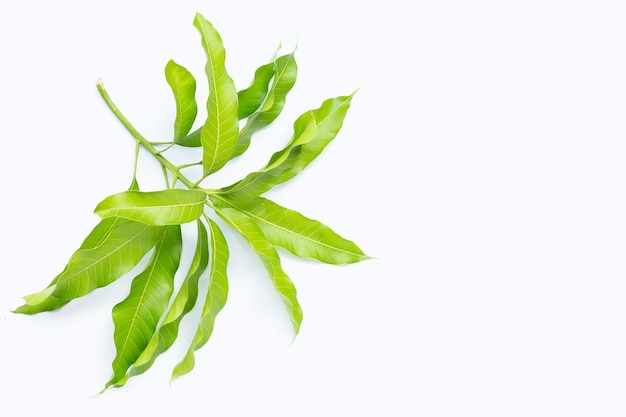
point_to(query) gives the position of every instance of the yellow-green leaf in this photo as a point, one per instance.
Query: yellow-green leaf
(215, 300)
(285, 72)
(184, 301)
(300, 235)
(45, 300)
(116, 254)
(136, 317)
(183, 87)
(158, 208)
(270, 258)
(313, 131)
(220, 132)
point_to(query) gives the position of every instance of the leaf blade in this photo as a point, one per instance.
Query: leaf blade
(220, 132)
(286, 70)
(217, 293)
(259, 182)
(313, 131)
(184, 301)
(303, 237)
(136, 317)
(183, 86)
(157, 208)
(44, 300)
(270, 258)
(251, 98)
(123, 248)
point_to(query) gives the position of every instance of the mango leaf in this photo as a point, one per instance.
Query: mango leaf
(157, 208)
(184, 301)
(136, 317)
(285, 77)
(183, 87)
(221, 130)
(136, 223)
(217, 293)
(116, 254)
(300, 235)
(270, 258)
(256, 183)
(192, 140)
(44, 300)
(313, 130)
(251, 98)
(127, 243)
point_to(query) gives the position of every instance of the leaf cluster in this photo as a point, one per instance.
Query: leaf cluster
(137, 224)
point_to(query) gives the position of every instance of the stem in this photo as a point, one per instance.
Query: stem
(136, 160)
(167, 181)
(165, 149)
(140, 139)
(189, 165)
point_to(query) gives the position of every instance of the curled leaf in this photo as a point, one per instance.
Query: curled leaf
(251, 98)
(285, 72)
(313, 131)
(183, 87)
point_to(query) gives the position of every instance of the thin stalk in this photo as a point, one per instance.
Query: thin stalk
(167, 181)
(165, 149)
(136, 161)
(192, 164)
(142, 140)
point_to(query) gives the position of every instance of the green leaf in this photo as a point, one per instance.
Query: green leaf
(221, 130)
(158, 208)
(284, 79)
(138, 225)
(44, 300)
(270, 258)
(300, 235)
(217, 293)
(251, 98)
(256, 183)
(136, 317)
(183, 87)
(313, 130)
(192, 140)
(112, 249)
(117, 253)
(184, 301)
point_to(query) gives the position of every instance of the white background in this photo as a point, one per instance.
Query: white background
(482, 164)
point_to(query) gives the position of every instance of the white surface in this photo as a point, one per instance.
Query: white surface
(482, 164)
